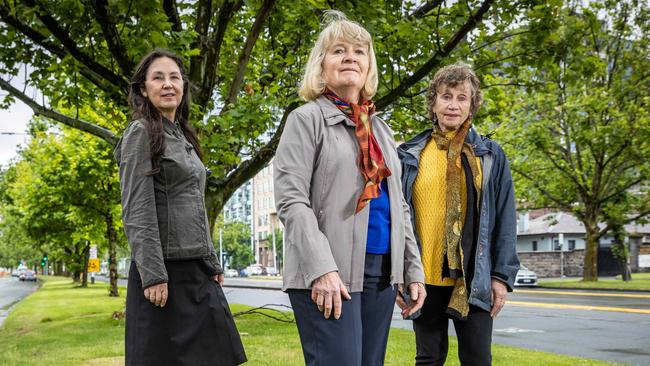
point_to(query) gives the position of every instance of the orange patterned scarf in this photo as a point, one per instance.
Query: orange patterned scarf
(372, 164)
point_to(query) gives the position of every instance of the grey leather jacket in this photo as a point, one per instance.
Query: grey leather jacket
(164, 214)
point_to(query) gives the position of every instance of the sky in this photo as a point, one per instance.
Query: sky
(13, 120)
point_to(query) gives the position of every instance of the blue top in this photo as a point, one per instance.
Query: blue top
(379, 223)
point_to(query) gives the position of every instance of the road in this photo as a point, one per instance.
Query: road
(607, 326)
(11, 291)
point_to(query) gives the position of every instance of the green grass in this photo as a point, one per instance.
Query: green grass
(61, 324)
(640, 281)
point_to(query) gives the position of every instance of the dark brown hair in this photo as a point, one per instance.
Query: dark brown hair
(142, 109)
(452, 76)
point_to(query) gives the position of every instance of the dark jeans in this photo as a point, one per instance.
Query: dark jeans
(431, 332)
(360, 335)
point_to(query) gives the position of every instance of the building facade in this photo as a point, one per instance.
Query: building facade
(553, 244)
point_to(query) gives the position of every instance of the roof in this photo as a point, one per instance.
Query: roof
(565, 223)
(554, 223)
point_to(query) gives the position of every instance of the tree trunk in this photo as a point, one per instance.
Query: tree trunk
(620, 250)
(214, 202)
(86, 256)
(626, 273)
(111, 237)
(590, 270)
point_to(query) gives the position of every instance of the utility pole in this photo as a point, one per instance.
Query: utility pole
(221, 247)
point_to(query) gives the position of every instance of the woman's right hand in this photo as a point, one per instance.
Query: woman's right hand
(326, 292)
(157, 294)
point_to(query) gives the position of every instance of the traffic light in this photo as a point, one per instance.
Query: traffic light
(44, 260)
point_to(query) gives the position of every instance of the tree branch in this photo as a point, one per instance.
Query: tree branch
(434, 61)
(560, 204)
(500, 59)
(244, 56)
(213, 52)
(41, 40)
(71, 46)
(424, 9)
(510, 35)
(112, 37)
(197, 63)
(253, 165)
(608, 227)
(38, 109)
(172, 14)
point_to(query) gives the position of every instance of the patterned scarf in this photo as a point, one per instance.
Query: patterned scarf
(453, 252)
(371, 160)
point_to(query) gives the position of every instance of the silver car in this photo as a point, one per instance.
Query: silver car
(525, 277)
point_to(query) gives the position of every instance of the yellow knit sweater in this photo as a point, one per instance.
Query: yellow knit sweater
(429, 199)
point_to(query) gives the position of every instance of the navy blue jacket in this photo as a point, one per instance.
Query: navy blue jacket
(496, 252)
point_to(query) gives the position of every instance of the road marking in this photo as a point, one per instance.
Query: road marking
(518, 330)
(606, 294)
(577, 307)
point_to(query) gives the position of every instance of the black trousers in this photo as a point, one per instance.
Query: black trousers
(432, 337)
(360, 335)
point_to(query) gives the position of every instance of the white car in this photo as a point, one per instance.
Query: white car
(525, 277)
(231, 273)
(254, 270)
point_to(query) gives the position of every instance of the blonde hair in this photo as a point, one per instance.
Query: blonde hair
(337, 27)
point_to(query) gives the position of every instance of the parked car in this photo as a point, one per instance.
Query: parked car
(231, 272)
(272, 271)
(28, 275)
(255, 270)
(525, 277)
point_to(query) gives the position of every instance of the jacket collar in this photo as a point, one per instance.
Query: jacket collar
(333, 115)
(409, 152)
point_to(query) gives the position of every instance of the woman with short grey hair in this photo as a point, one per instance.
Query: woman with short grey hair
(461, 195)
(349, 240)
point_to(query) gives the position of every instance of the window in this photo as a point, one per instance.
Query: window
(534, 245)
(572, 244)
(556, 244)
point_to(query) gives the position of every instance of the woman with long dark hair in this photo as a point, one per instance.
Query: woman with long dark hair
(177, 313)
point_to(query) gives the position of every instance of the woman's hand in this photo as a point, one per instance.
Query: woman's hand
(220, 278)
(326, 292)
(157, 294)
(417, 294)
(498, 297)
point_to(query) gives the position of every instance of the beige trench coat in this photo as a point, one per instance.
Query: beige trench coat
(317, 184)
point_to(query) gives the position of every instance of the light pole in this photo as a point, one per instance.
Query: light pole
(561, 242)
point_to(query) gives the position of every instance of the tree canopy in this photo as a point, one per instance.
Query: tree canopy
(245, 60)
(579, 136)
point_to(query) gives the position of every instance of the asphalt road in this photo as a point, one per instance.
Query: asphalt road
(11, 291)
(607, 326)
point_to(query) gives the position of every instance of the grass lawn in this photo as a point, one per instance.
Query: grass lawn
(61, 324)
(640, 281)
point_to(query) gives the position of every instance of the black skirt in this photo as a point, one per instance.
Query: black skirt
(194, 328)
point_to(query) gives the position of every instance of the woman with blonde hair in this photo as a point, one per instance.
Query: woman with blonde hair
(338, 193)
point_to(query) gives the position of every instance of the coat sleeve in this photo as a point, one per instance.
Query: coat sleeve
(293, 168)
(139, 205)
(504, 250)
(413, 270)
